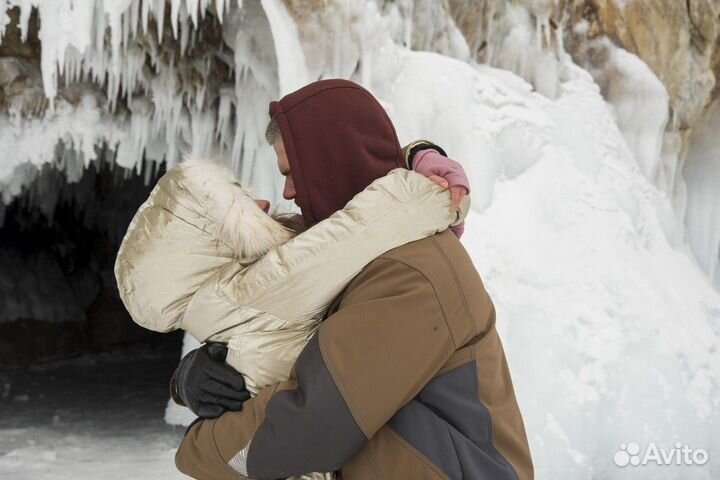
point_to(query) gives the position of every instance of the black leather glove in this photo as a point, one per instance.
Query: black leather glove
(207, 385)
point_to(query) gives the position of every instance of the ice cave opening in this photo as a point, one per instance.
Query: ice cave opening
(58, 242)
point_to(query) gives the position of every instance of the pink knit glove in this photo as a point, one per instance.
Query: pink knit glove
(430, 162)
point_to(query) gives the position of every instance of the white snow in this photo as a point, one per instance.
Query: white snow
(610, 326)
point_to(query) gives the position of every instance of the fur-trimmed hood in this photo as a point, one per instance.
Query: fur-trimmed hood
(197, 220)
(241, 223)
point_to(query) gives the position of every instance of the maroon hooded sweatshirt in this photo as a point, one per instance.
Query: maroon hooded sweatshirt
(338, 140)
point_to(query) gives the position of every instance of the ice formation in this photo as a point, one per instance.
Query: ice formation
(160, 99)
(610, 327)
(703, 193)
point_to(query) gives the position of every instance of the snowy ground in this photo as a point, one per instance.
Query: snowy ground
(94, 417)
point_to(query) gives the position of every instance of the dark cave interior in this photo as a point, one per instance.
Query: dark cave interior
(58, 243)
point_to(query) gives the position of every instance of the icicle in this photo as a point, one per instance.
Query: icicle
(54, 45)
(174, 16)
(25, 11)
(200, 93)
(559, 40)
(61, 63)
(114, 11)
(124, 18)
(113, 86)
(194, 38)
(227, 98)
(220, 7)
(159, 18)
(72, 65)
(202, 126)
(65, 66)
(148, 172)
(99, 27)
(184, 34)
(129, 74)
(130, 152)
(134, 15)
(292, 68)
(192, 7)
(168, 109)
(145, 14)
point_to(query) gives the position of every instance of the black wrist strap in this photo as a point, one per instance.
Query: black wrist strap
(413, 148)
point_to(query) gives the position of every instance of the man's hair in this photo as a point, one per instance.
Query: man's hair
(272, 132)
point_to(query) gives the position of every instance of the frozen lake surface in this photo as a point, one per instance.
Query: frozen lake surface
(91, 417)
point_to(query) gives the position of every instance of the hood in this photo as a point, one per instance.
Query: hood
(338, 139)
(240, 222)
(197, 220)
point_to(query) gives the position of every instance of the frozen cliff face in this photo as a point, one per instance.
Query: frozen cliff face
(610, 326)
(656, 63)
(677, 40)
(679, 43)
(637, 49)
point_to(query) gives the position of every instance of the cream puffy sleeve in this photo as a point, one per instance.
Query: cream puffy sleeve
(296, 281)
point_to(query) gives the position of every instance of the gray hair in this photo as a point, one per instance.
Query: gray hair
(272, 132)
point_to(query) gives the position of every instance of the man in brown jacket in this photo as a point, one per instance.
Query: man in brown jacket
(406, 378)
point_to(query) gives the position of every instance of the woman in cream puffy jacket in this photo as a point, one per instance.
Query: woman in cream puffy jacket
(201, 256)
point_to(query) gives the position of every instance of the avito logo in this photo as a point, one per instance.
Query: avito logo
(629, 454)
